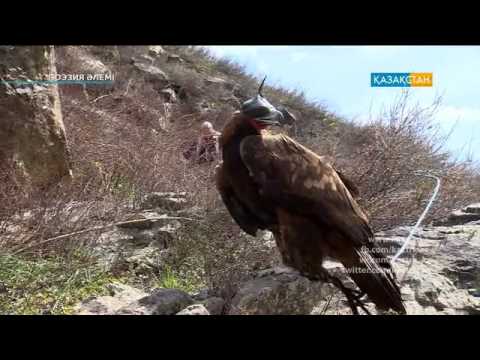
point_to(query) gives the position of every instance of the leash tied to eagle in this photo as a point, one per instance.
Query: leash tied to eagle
(272, 182)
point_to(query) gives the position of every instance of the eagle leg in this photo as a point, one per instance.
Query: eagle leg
(353, 296)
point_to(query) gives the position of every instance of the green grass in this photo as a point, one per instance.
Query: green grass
(54, 285)
(50, 285)
(172, 280)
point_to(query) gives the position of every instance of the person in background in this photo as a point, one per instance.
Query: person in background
(208, 148)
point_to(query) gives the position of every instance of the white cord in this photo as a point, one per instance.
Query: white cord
(420, 219)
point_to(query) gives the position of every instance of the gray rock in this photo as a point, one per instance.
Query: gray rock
(432, 289)
(32, 132)
(160, 302)
(190, 211)
(149, 257)
(474, 292)
(214, 80)
(278, 292)
(201, 295)
(195, 309)
(214, 305)
(175, 59)
(152, 73)
(444, 277)
(468, 214)
(120, 296)
(473, 209)
(156, 50)
(144, 244)
(169, 95)
(459, 217)
(167, 201)
(146, 220)
(147, 59)
(89, 65)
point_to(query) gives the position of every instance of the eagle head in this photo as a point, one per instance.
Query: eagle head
(262, 114)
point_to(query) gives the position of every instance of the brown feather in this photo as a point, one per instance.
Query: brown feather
(307, 203)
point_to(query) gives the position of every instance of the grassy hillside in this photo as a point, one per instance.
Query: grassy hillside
(126, 140)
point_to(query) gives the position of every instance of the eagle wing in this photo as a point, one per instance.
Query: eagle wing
(301, 183)
(350, 185)
(297, 179)
(247, 221)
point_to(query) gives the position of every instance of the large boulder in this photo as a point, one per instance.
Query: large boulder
(434, 293)
(120, 296)
(442, 279)
(32, 133)
(152, 74)
(126, 300)
(160, 302)
(143, 242)
(473, 208)
(468, 214)
(444, 275)
(278, 292)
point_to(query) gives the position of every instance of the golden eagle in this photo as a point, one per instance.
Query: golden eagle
(272, 182)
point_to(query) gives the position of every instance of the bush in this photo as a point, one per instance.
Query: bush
(384, 156)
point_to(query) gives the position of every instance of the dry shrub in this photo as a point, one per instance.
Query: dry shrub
(128, 144)
(31, 216)
(384, 157)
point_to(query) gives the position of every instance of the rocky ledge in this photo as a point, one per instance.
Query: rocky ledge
(439, 274)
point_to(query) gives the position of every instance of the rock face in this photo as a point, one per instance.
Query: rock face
(32, 134)
(445, 273)
(152, 74)
(462, 216)
(444, 278)
(278, 292)
(144, 243)
(473, 209)
(125, 300)
(146, 237)
(120, 296)
(160, 302)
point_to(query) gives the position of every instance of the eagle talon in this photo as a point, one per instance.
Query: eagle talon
(353, 296)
